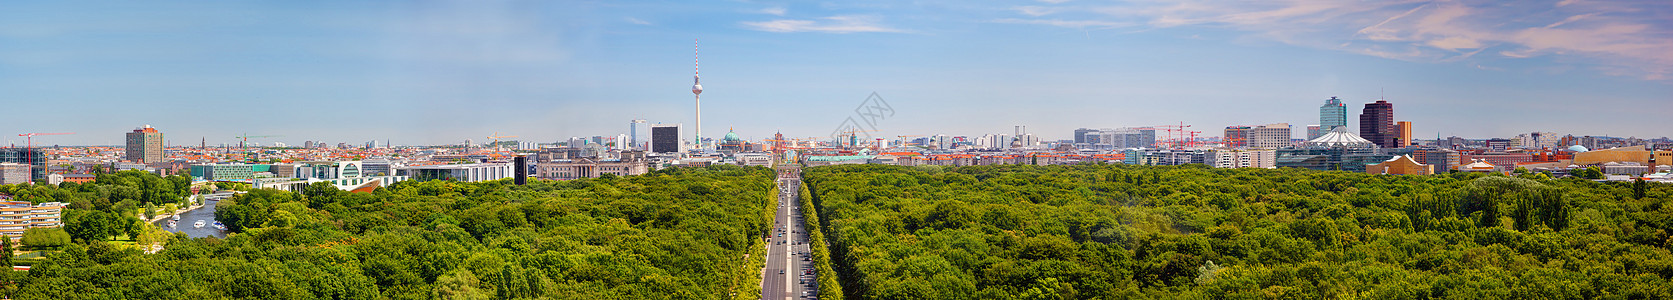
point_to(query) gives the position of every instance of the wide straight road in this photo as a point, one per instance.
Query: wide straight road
(788, 273)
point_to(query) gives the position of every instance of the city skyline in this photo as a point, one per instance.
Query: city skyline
(441, 72)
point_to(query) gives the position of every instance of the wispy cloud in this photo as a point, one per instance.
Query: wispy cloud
(1066, 23)
(776, 11)
(1611, 35)
(832, 24)
(1036, 11)
(637, 21)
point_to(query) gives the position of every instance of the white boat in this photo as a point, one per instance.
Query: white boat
(220, 226)
(199, 224)
(176, 217)
(172, 224)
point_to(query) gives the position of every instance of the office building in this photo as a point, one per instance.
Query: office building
(633, 128)
(1270, 136)
(377, 167)
(1118, 138)
(14, 173)
(462, 172)
(1404, 129)
(1236, 136)
(29, 156)
(664, 138)
(1376, 123)
(227, 172)
(18, 216)
(145, 145)
(1240, 158)
(1080, 135)
(1331, 115)
(1314, 131)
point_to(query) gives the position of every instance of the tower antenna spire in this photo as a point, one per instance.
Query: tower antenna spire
(697, 93)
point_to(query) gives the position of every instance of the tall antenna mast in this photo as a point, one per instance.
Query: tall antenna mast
(697, 93)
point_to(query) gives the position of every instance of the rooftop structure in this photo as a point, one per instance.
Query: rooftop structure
(17, 216)
(1400, 165)
(1340, 137)
(145, 145)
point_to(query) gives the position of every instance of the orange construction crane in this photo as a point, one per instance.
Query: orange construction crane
(28, 155)
(903, 138)
(496, 137)
(1174, 134)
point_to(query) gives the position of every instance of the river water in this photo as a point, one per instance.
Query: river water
(205, 213)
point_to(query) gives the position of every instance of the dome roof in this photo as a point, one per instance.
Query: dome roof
(731, 137)
(1340, 137)
(1578, 148)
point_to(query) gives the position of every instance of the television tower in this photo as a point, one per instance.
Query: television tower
(697, 93)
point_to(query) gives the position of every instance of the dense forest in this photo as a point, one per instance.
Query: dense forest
(686, 233)
(1121, 232)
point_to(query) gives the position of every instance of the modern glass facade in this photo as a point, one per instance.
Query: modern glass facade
(30, 156)
(1332, 114)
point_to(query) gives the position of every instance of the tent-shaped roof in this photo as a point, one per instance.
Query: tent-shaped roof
(1340, 137)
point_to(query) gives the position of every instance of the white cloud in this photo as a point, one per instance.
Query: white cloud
(832, 24)
(1454, 43)
(637, 21)
(776, 11)
(1035, 11)
(1065, 23)
(1611, 35)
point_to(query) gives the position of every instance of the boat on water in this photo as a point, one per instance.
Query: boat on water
(172, 224)
(220, 226)
(177, 217)
(199, 224)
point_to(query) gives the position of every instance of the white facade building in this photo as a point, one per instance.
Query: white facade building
(1270, 136)
(462, 172)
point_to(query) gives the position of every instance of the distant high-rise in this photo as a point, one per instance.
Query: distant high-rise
(145, 145)
(1236, 136)
(1331, 115)
(1376, 123)
(1405, 133)
(665, 138)
(633, 134)
(1270, 136)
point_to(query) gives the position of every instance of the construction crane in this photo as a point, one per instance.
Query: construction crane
(29, 145)
(1174, 133)
(496, 138)
(903, 138)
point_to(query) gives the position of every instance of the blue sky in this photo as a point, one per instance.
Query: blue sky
(440, 72)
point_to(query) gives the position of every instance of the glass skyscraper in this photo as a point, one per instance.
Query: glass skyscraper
(1332, 114)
